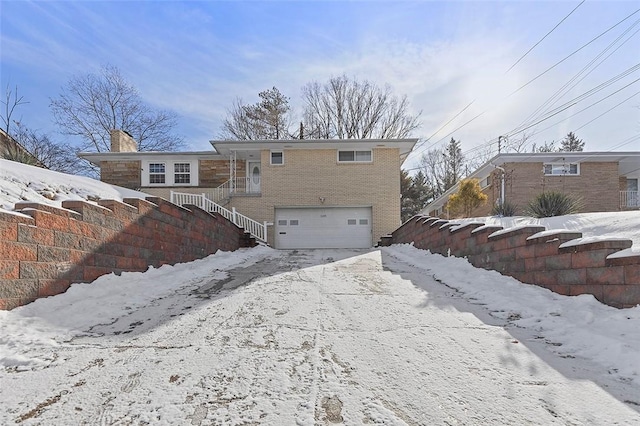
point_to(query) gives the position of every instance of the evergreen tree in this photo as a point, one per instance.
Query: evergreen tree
(416, 193)
(453, 164)
(571, 143)
(267, 119)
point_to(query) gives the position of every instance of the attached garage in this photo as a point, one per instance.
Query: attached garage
(323, 227)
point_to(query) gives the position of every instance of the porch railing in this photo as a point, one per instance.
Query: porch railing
(629, 199)
(241, 185)
(255, 228)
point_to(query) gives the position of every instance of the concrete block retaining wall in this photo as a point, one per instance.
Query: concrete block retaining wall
(556, 260)
(44, 249)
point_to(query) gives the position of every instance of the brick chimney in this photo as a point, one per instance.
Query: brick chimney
(122, 141)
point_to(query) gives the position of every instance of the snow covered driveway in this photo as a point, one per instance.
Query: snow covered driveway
(291, 337)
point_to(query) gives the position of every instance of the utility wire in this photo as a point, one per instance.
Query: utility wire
(607, 111)
(494, 141)
(545, 36)
(577, 99)
(571, 54)
(421, 148)
(447, 123)
(565, 88)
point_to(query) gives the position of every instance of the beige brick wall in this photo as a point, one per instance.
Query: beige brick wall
(598, 186)
(121, 173)
(122, 142)
(308, 175)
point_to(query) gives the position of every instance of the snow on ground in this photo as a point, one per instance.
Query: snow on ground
(258, 336)
(617, 224)
(20, 182)
(395, 336)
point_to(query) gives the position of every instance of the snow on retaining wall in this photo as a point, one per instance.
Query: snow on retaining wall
(43, 249)
(559, 260)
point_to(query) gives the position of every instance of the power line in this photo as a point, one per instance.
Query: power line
(565, 88)
(607, 111)
(447, 123)
(577, 99)
(421, 148)
(549, 115)
(570, 55)
(545, 36)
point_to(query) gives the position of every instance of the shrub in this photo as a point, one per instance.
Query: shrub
(505, 209)
(550, 204)
(468, 197)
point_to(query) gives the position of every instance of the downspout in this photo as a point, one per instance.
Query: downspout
(501, 185)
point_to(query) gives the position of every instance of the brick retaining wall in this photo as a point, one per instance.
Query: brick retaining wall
(570, 270)
(44, 249)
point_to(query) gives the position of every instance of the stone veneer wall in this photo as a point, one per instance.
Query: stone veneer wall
(46, 249)
(122, 173)
(573, 270)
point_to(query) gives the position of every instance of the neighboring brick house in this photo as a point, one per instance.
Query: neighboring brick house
(603, 181)
(311, 193)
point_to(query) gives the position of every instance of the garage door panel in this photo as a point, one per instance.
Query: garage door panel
(336, 227)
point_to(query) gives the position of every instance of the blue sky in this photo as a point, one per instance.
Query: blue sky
(196, 58)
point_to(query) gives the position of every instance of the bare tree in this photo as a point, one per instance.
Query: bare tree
(481, 155)
(515, 144)
(545, 147)
(433, 167)
(54, 156)
(344, 108)
(267, 119)
(91, 105)
(10, 103)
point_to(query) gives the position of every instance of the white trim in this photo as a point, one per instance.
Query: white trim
(169, 172)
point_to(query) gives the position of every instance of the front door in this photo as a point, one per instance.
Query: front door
(254, 177)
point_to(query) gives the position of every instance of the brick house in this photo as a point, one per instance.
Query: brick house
(289, 193)
(603, 181)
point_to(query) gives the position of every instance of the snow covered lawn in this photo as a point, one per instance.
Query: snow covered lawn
(394, 336)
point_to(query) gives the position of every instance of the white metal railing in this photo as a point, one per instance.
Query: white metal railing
(629, 199)
(255, 228)
(240, 185)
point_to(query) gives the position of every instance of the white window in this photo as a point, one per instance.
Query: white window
(363, 221)
(182, 173)
(157, 173)
(282, 222)
(354, 156)
(277, 157)
(294, 222)
(556, 169)
(351, 221)
(170, 173)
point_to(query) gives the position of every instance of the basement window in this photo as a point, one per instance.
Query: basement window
(354, 156)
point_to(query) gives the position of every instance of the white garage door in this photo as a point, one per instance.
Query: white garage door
(330, 227)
